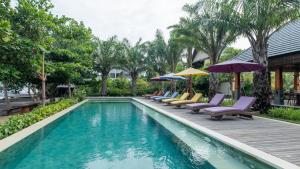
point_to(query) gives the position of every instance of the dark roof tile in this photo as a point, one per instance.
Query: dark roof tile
(285, 40)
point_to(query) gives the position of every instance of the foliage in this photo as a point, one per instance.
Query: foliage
(120, 87)
(157, 54)
(21, 121)
(105, 57)
(257, 20)
(209, 30)
(285, 114)
(174, 53)
(229, 53)
(228, 102)
(133, 61)
(80, 93)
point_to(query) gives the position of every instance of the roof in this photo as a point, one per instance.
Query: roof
(284, 41)
(201, 56)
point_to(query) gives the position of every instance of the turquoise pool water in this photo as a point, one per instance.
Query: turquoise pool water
(121, 135)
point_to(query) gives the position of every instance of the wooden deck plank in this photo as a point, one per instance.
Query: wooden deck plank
(277, 138)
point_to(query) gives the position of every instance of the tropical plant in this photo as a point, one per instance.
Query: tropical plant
(257, 20)
(32, 20)
(174, 53)
(19, 122)
(105, 57)
(133, 61)
(70, 60)
(208, 30)
(157, 54)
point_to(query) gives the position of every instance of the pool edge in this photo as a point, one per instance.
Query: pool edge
(258, 154)
(20, 135)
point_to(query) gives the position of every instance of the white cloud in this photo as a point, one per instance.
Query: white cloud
(129, 19)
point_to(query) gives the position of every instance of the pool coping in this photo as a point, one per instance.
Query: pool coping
(20, 135)
(258, 154)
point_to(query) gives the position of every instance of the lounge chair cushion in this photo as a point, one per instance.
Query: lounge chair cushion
(165, 95)
(215, 101)
(195, 98)
(182, 97)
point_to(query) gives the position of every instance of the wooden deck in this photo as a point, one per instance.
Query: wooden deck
(277, 138)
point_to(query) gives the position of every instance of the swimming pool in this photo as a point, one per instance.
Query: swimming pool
(121, 134)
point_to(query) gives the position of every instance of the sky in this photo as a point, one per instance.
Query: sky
(131, 19)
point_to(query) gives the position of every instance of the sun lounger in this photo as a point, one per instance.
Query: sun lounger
(214, 102)
(182, 97)
(174, 95)
(165, 95)
(153, 94)
(240, 108)
(159, 93)
(194, 99)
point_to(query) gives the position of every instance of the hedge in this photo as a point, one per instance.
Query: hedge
(21, 121)
(285, 114)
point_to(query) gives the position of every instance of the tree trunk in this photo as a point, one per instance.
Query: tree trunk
(261, 79)
(213, 85)
(104, 84)
(213, 77)
(43, 78)
(44, 91)
(134, 77)
(7, 102)
(69, 90)
(190, 57)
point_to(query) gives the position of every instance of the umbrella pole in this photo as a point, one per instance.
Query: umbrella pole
(190, 83)
(237, 85)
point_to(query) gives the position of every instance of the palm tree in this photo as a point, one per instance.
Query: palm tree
(257, 20)
(207, 30)
(186, 41)
(105, 56)
(157, 54)
(174, 53)
(133, 61)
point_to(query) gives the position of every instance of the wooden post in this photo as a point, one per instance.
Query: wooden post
(237, 86)
(296, 81)
(43, 80)
(278, 87)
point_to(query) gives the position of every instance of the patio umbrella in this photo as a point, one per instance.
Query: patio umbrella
(159, 79)
(190, 72)
(172, 78)
(235, 66)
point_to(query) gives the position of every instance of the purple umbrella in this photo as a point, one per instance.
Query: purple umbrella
(235, 66)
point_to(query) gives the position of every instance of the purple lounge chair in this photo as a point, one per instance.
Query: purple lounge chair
(214, 102)
(239, 108)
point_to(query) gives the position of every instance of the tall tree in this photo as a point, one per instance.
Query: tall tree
(174, 53)
(105, 57)
(181, 36)
(207, 28)
(257, 20)
(12, 49)
(70, 57)
(32, 20)
(133, 61)
(157, 54)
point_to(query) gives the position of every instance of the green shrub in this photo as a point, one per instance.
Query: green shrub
(228, 102)
(285, 113)
(21, 121)
(80, 92)
(118, 92)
